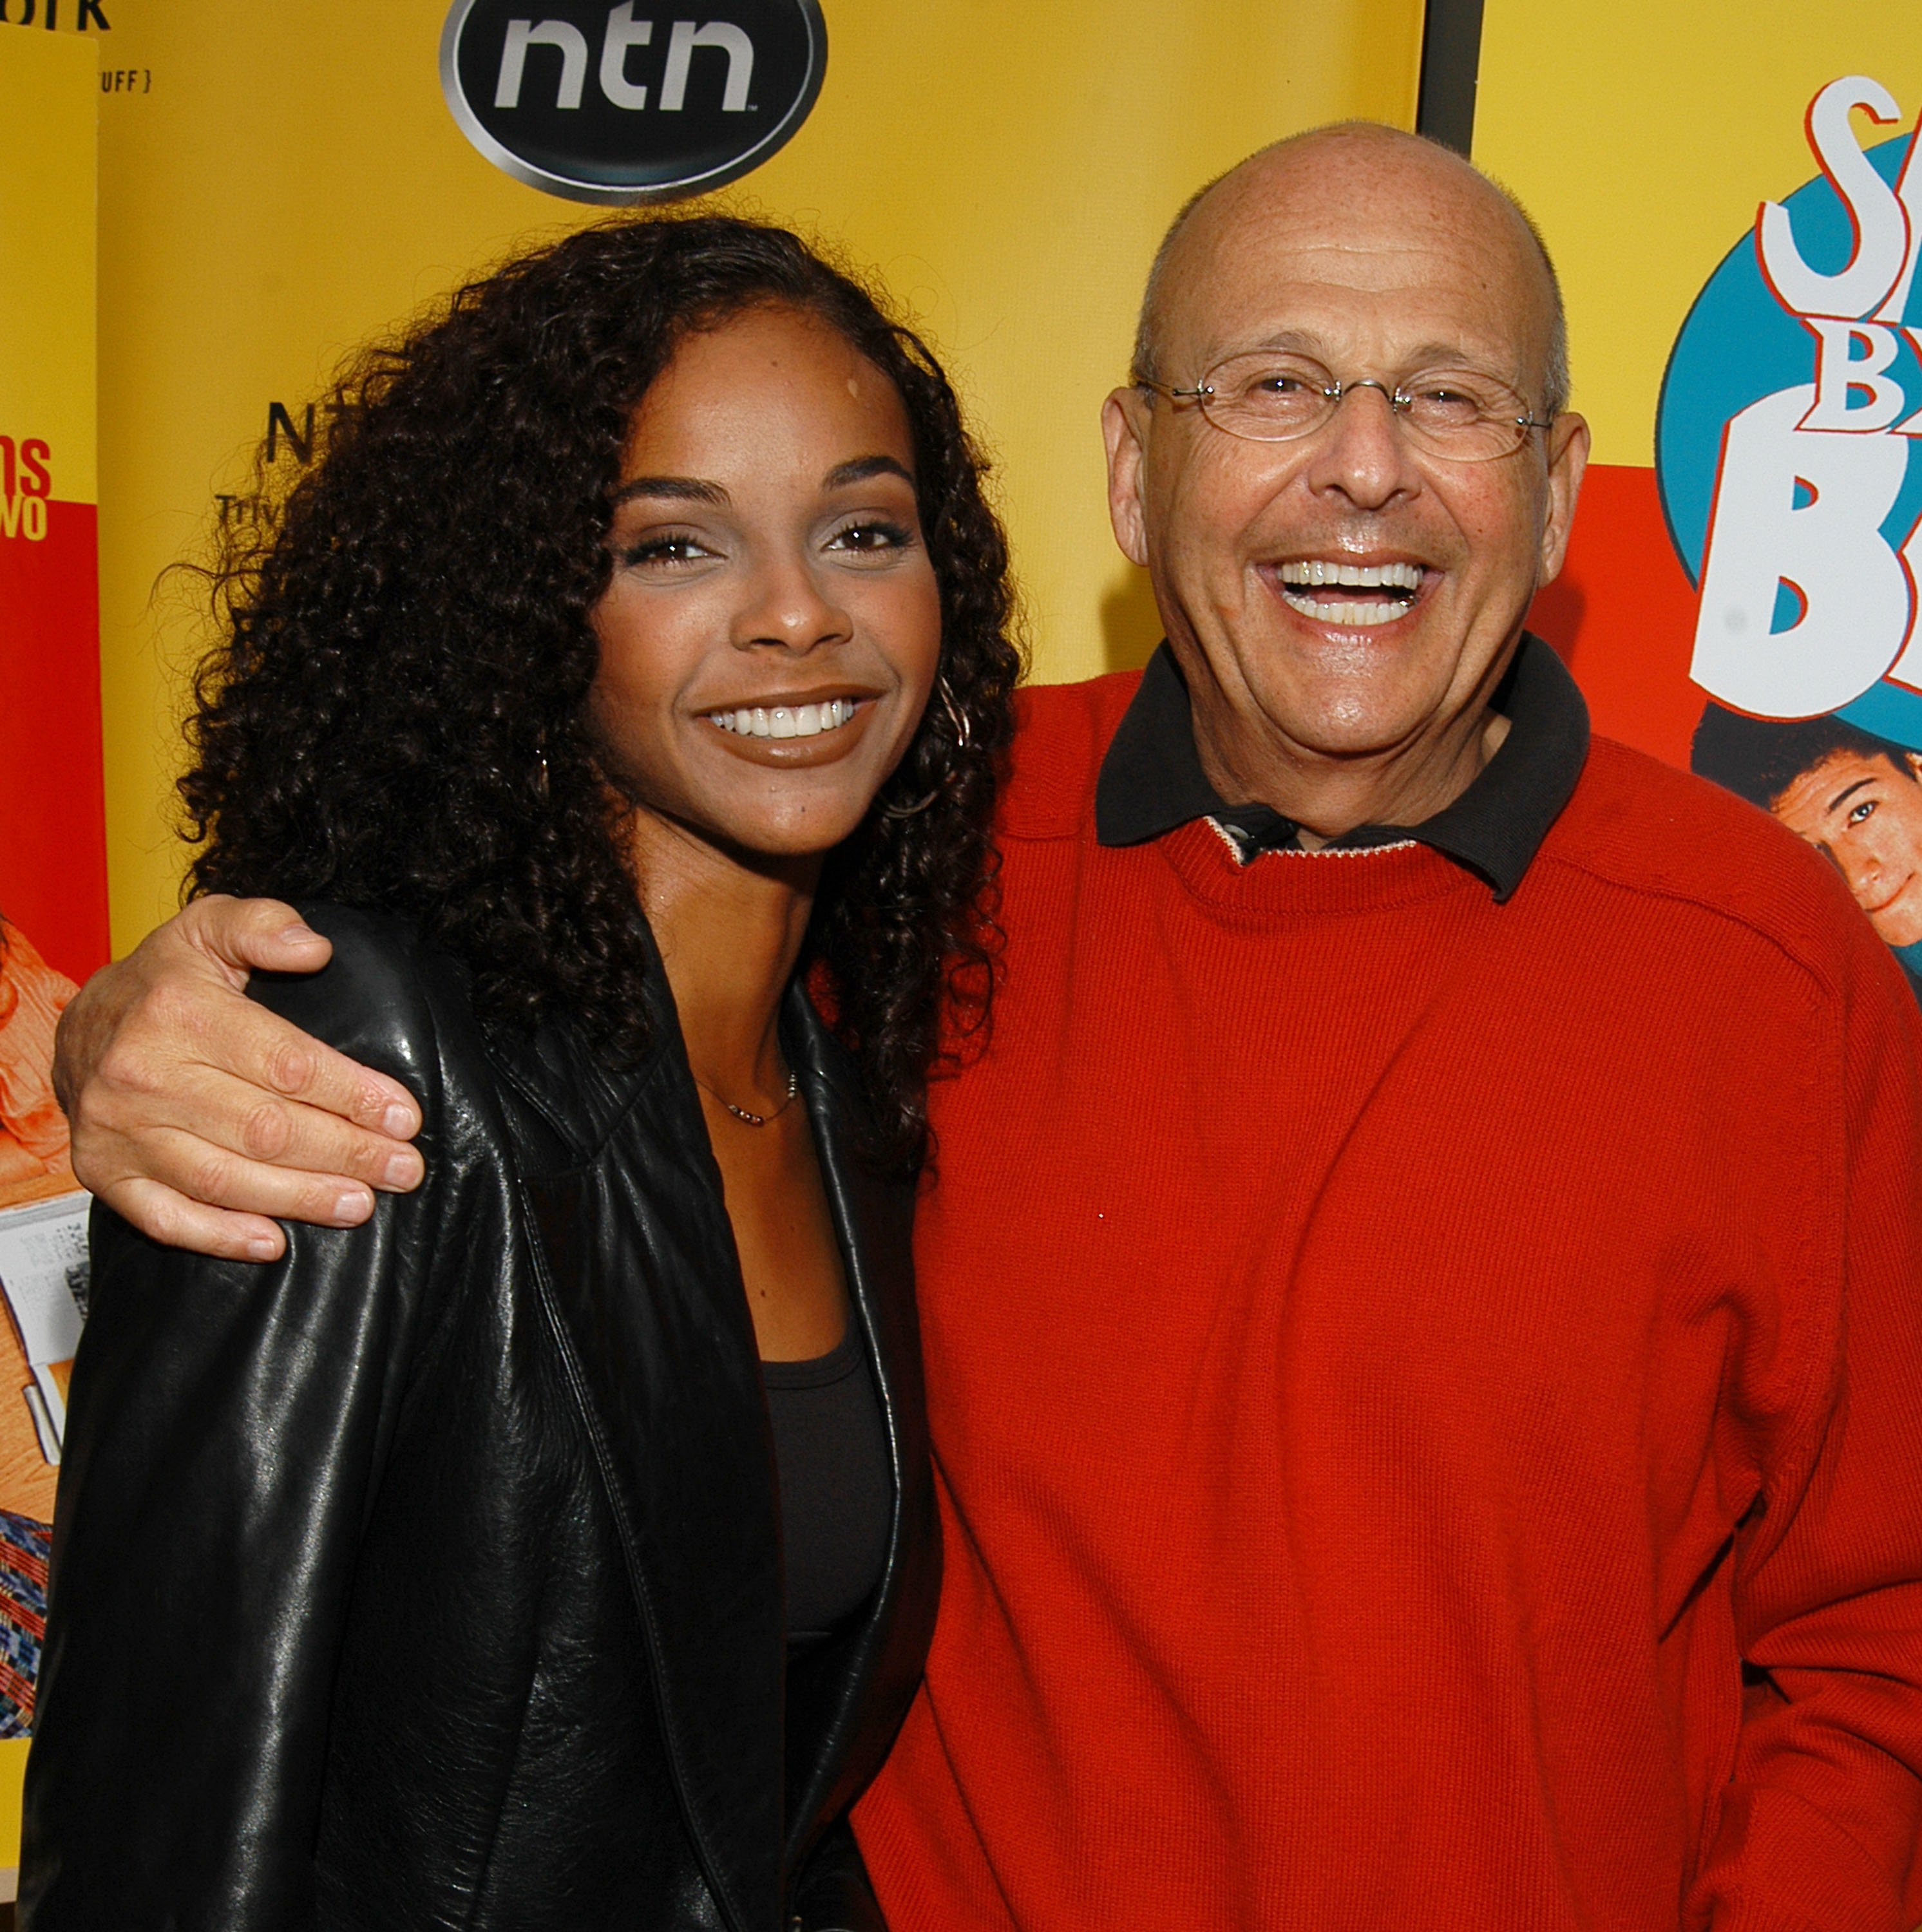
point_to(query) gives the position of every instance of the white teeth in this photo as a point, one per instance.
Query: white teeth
(1302, 577)
(1316, 570)
(782, 720)
(1362, 616)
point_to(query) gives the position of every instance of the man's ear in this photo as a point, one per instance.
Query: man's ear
(1914, 761)
(1567, 459)
(1124, 429)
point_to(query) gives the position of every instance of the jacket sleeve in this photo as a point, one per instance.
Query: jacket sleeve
(834, 1894)
(226, 1432)
(1820, 1822)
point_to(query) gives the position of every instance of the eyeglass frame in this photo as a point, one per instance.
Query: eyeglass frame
(1397, 399)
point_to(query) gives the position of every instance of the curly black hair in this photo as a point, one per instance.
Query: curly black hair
(391, 715)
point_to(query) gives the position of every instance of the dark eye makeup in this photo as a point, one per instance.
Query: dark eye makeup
(871, 536)
(664, 546)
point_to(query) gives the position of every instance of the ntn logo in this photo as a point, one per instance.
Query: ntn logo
(554, 93)
(623, 33)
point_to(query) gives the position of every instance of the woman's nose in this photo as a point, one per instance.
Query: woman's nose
(789, 605)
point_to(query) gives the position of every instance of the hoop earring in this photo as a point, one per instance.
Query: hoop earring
(963, 731)
(963, 736)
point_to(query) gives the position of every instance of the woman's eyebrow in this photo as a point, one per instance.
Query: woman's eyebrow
(676, 489)
(860, 468)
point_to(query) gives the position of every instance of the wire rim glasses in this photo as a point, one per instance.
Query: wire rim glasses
(1462, 416)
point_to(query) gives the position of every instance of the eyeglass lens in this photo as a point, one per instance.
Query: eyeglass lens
(1460, 414)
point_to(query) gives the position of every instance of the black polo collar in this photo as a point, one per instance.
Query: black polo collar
(1152, 779)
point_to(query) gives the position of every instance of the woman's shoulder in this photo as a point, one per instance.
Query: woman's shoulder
(385, 998)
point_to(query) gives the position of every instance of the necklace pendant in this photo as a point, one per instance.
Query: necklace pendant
(745, 1115)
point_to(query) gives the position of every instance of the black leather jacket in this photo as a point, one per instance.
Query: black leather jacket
(431, 1577)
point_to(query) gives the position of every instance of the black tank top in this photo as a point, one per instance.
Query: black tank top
(837, 1485)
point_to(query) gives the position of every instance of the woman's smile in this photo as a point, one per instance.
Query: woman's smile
(795, 720)
(787, 729)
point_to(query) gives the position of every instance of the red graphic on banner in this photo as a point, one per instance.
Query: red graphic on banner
(52, 826)
(1623, 616)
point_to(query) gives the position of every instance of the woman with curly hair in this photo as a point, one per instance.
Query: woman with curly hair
(622, 696)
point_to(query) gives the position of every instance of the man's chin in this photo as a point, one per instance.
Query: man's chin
(1351, 719)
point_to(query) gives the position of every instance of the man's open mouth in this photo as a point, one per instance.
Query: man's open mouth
(1360, 594)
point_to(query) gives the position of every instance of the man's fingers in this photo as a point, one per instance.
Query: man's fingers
(291, 1134)
(264, 1055)
(171, 1219)
(207, 1125)
(196, 1171)
(251, 935)
(305, 1070)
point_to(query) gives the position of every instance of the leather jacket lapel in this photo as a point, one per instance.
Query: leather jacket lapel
(644, 1288)
(836, 1697)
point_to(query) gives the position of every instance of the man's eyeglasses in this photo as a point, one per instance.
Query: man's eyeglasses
(1459, 415)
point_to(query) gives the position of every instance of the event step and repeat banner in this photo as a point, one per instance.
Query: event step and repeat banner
(53, 909)
(1728, 195)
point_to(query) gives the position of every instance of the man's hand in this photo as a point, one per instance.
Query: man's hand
(196, 1113)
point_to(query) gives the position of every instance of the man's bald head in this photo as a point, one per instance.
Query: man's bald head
(1363, 162)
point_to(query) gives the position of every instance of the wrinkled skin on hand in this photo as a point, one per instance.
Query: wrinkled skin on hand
(198, 1115)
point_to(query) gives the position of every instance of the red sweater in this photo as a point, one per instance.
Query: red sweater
(1392, 1357)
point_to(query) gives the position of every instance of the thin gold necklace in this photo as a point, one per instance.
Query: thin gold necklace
(753, 1120)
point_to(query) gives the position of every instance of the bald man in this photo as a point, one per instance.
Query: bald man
(1421, 1292)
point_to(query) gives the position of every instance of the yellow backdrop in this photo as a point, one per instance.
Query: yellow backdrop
(278, 181)
(46, 257)
(1642, 135)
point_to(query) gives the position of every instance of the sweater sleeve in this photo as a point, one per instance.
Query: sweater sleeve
(226, 1433)
(1820, 1822)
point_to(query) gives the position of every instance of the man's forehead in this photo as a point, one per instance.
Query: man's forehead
(1267, 280)
(1374, 178)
